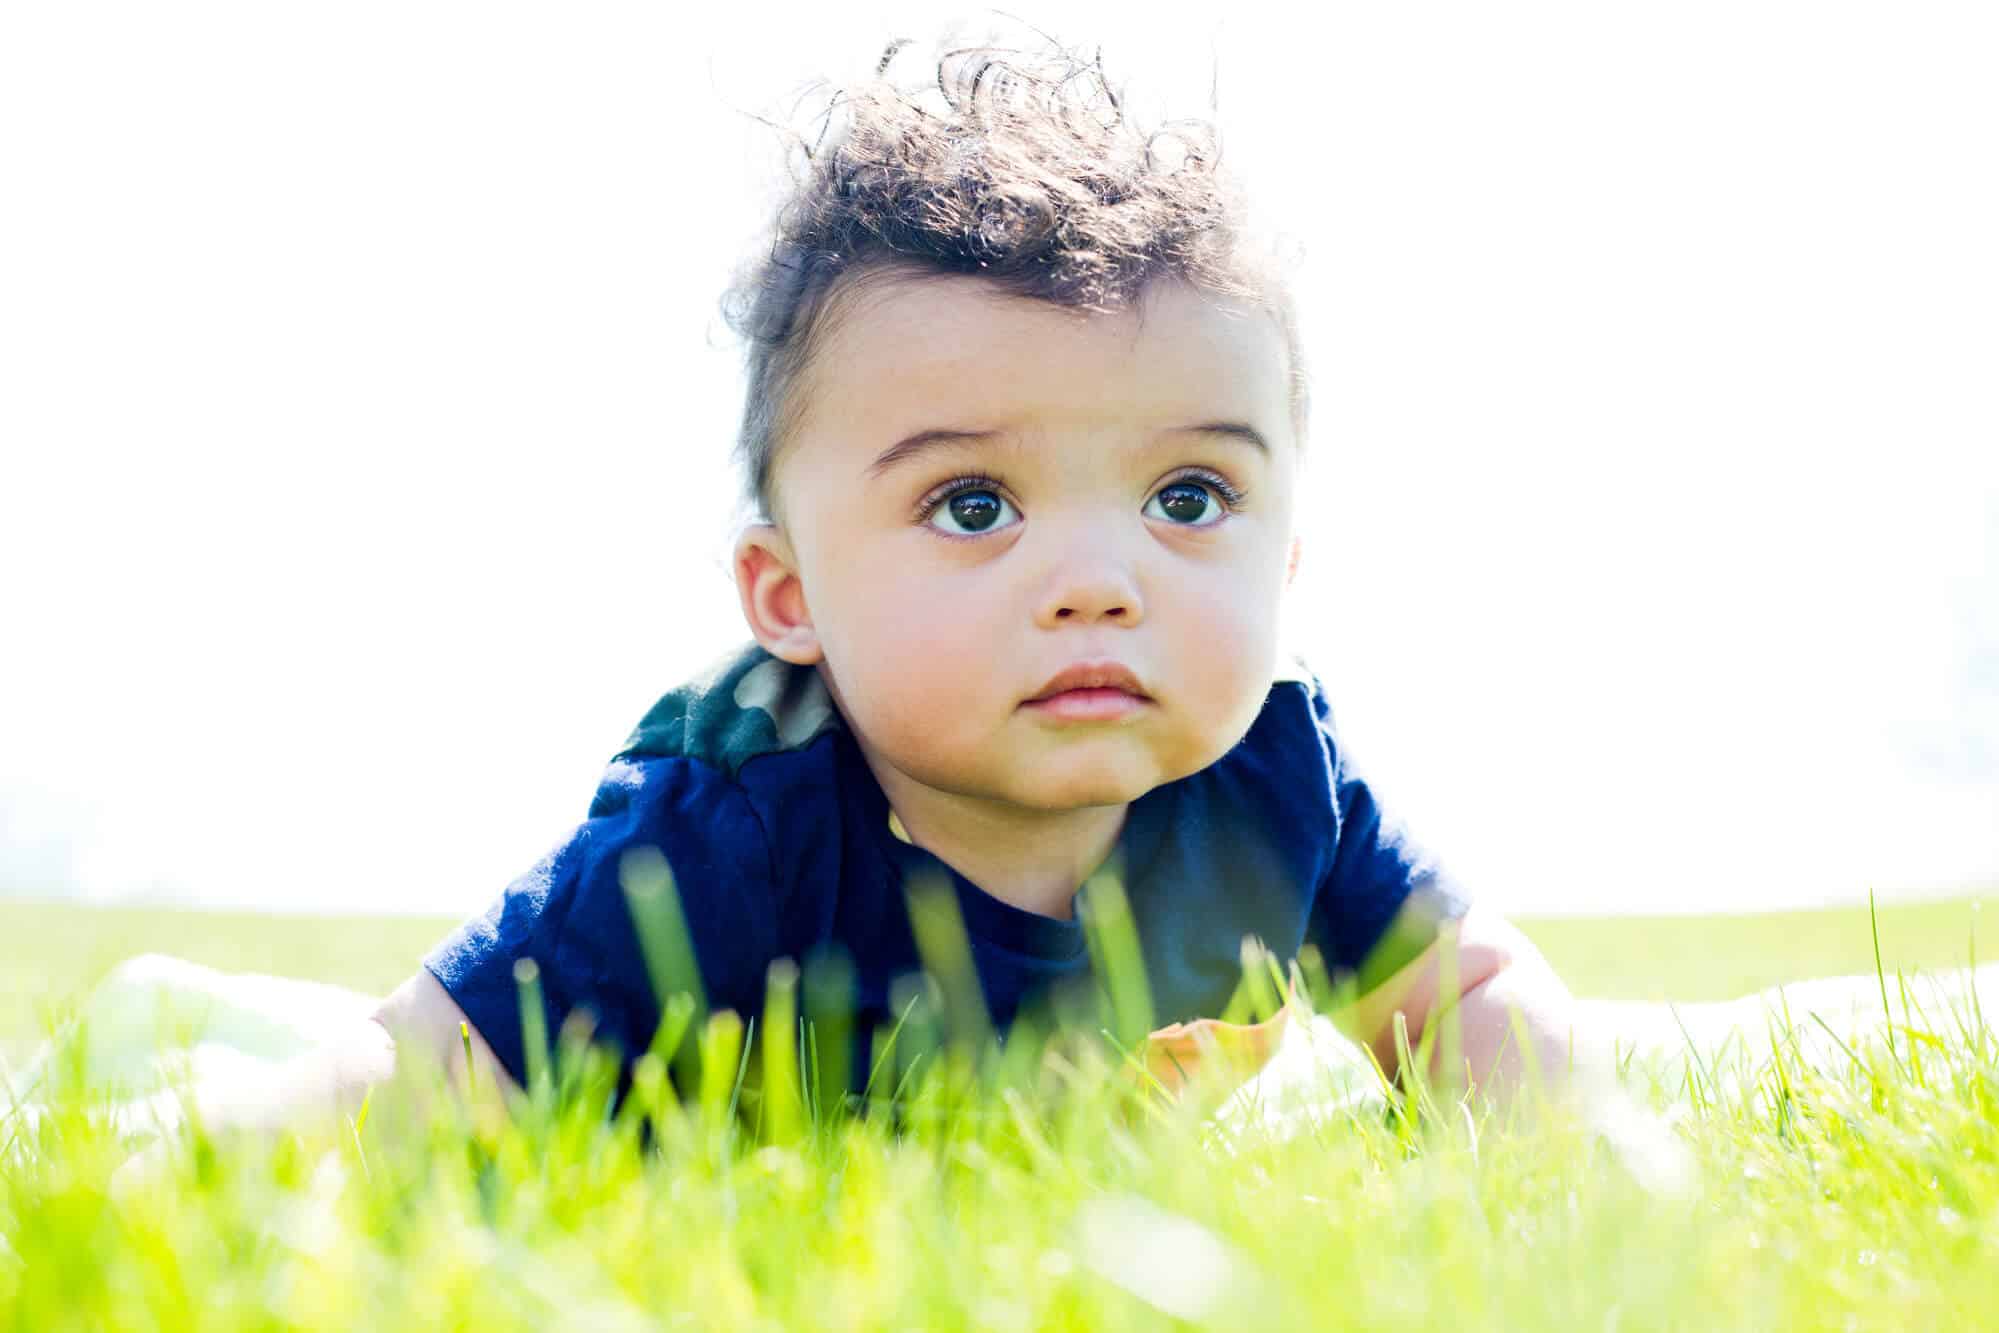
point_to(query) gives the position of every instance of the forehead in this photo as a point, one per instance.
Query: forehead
(902, 353)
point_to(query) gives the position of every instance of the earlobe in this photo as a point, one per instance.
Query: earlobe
(773, 595)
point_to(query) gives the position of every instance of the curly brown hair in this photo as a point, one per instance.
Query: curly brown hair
(1023, 170)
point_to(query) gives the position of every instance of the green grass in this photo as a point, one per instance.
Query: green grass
(1025, 1193)
(1722, 957)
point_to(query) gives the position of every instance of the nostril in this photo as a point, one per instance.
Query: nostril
(1115, 611)
(1064, 613)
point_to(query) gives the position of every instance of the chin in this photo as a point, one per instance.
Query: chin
(1086, 785)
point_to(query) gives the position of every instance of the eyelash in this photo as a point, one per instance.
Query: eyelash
(939, 496)
(1231, 496)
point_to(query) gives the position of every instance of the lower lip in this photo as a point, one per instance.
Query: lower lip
(1102, 705)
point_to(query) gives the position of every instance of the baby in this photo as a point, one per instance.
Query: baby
(1025, 417)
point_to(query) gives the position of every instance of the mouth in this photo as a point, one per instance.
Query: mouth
(1090, 692)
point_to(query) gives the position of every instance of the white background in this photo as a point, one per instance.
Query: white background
(365, 410)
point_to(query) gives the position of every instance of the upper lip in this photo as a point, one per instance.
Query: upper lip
(1091, 676)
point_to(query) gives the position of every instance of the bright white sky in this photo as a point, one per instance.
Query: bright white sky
(364, 409)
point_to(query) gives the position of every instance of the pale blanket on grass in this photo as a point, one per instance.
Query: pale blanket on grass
(156, 1024)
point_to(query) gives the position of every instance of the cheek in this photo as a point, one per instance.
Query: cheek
(1225, 640)
(903, 639)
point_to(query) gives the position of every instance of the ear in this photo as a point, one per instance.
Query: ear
(773, 596)
(1291, 561)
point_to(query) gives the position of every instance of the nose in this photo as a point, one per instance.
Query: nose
(1089, 583)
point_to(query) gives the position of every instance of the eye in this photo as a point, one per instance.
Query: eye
(1188, 504)
(971, 511)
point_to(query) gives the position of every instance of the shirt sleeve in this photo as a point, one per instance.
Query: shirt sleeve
(1377, 870)
(570, 914)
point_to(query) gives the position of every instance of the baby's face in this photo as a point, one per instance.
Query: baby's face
(985, 492)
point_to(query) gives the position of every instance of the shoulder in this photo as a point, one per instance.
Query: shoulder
(685, 787)
(746, 706)
(735, 776)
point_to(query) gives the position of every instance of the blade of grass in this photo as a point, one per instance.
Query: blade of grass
(1881, 975)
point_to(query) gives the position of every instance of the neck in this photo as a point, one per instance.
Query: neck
(1032, 859)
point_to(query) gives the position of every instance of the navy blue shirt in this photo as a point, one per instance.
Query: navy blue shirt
(780, 846)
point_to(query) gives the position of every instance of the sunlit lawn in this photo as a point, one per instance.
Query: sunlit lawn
(1858, 1194)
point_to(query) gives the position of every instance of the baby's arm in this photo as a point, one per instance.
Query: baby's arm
(1482, 966)
(418, 1023)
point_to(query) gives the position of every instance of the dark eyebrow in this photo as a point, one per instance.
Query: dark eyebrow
(921, 441)
(1234, 429)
